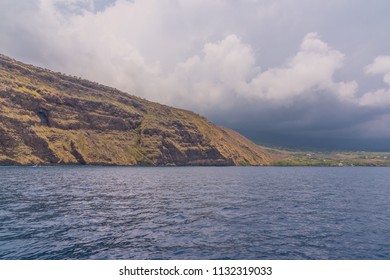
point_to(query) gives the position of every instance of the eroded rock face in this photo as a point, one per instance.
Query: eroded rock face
(49, 118)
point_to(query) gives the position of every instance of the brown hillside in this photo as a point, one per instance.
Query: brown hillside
(50, 118)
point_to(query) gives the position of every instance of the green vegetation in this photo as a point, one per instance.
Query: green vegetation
(332, 159)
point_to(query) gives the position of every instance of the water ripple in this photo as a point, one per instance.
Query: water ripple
(194, 213)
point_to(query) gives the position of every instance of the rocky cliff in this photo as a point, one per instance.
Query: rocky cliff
(50, 118)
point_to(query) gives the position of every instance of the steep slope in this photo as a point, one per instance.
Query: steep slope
(50, 118)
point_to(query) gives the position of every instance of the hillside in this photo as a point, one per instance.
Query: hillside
(49, 118)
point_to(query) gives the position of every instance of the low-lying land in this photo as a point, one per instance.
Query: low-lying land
(336, 158)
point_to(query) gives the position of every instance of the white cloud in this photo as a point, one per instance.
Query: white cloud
(381, 65)
(379, 98)
(218, 75)
(225, 74)
(310, 70)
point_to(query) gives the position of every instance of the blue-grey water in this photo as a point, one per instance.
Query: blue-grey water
(194, 213)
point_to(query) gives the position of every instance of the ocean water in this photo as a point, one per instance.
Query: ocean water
(194, 213)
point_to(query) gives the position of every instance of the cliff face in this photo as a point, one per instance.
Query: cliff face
(50, 118)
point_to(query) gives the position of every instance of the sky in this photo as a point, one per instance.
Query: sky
(307, 74)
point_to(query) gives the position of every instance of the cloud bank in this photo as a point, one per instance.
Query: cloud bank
(260, 67)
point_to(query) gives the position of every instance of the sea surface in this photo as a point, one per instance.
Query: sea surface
(194, 213)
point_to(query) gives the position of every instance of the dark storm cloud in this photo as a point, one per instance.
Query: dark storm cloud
(298, 73)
